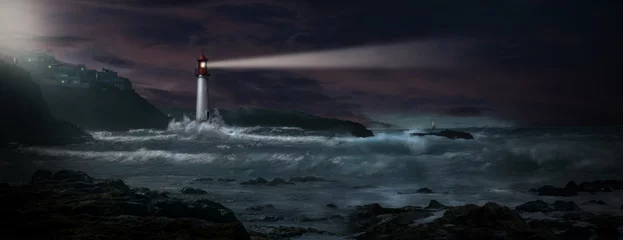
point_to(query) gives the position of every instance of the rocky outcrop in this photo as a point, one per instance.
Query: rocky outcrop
(447, 134)
(249, 117)
(490, 221)
(260, 181)
(72, 205)
(27, 119)
(572, 189)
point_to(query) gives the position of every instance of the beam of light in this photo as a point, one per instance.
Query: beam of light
(19, 21)
(405, 55)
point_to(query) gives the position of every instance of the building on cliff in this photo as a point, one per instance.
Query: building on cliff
(46, 69)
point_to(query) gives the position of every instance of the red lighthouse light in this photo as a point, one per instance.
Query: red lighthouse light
(202, 66)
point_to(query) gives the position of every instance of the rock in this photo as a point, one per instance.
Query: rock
(261, 180)
(571, 185)
(40, 176)
(188, 190)
(577, 233)
(116, 184)
(600, 202)
(203, 180)
(565, 206)
(621, 206)
(424, 190)
(225, 180)
(490, 221)
(68, 209)
(261, 207)
(307, 179)
(71, 176)
(331, 205)
(279, 181)
(281, 232)
(434, 204)
(534, 206)
(447, 134)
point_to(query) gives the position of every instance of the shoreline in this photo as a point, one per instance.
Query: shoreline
(75, 202)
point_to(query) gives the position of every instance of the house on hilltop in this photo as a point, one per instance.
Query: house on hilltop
(46, 69)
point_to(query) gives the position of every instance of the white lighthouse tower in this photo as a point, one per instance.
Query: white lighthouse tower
(203, 92)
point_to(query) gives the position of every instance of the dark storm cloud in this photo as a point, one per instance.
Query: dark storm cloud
(255, 12)
(280, 91)
(114, 61)
(468, 111)
(62, 41)
(154, 30)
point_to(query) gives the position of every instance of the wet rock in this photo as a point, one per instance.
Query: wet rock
(565, 206)
(279, 181)
(447, 134)
(71, 176)
(424, 190)
(434, 204)
(203, 180)
(579, 233)
(535, 206)
(490, 221)
(145, 192)
(331, 205)
(225, 180)
(261, 180)
(551, 224)
(307, 179)
(591, 202)
(68, 206)
(290, 232)
(40, 176)
(188, 190)
(114, 184)
(571, 185)
(261, 207)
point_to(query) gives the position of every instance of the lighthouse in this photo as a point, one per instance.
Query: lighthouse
(203, 95)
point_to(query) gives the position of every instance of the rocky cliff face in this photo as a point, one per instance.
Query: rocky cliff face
(103, 107)
(25, 115)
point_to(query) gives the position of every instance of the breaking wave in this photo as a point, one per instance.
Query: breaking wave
(288, 150)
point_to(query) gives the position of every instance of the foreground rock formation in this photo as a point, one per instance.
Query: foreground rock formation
(72, 205)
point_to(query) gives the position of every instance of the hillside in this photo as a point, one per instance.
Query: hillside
(26, 117)
(103, 108)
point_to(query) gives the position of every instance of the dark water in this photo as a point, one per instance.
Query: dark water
(499, 165)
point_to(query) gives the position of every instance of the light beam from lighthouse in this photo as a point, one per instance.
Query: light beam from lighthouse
(203, 92)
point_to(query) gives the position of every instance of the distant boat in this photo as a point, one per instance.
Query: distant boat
(433, 125)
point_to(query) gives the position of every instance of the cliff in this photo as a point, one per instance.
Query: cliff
(26, 117)
(103, 107)
(248, 117)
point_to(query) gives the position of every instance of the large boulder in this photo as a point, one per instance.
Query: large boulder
(72, 205)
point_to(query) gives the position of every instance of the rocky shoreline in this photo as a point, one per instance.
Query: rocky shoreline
(72, 205)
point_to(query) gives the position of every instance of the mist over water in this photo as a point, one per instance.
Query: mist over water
(405, 55)
(499, 165)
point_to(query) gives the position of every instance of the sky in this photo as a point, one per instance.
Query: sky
(538, 62)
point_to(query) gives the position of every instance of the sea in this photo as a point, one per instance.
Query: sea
(500, 165)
